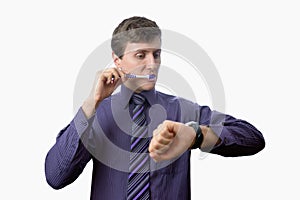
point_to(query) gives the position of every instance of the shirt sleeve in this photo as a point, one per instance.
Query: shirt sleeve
(238, 137)
(67, 158)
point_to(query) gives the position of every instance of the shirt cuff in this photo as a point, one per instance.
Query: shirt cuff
(223, 134)
(80, 122)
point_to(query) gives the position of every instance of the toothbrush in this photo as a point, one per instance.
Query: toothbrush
(131, 76)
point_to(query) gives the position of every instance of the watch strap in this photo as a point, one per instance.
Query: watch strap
(199, 134)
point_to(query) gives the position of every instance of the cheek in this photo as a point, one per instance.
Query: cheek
(125, 67)
(129, 65)
(135, 68)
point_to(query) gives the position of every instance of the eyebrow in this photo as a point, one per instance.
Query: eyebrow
(145, 50)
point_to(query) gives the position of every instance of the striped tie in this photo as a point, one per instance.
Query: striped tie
(139, 167)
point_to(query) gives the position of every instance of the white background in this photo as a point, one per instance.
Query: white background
(254, 45)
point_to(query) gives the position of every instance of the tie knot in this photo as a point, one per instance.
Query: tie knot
(138, 99)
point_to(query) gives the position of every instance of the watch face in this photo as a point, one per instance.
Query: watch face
(195, 125)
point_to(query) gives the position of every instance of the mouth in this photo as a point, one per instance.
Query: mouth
(152, 78)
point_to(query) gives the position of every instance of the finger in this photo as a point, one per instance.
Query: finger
(120, 71)
(155, 133)
(109, 76)
(113, 75)
(104, 76)
(154, 145)
(158, 157)
(157, 146)
(165, 132)
(163, 140)
(97, 80)
(155, 157)
(160, 128)
(162, 135)
(172, 126)
(117, 74)
(117, 77)
(151, 147)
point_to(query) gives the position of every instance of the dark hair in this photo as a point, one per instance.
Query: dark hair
(134, 29)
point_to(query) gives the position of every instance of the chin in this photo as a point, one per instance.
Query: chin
(148, 86)
(141, 86)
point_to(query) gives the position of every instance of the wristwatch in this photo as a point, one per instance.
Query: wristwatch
(199, 135)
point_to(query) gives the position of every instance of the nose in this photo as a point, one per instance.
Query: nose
(150, 59)
(152, 63)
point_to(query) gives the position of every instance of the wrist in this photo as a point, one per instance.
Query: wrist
(198, 139)
(193, 142)
(89, 108)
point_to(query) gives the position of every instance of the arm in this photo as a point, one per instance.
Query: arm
(222, 134)
(67, 158)
(236, 137)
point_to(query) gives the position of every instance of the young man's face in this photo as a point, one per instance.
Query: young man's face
(140, 59)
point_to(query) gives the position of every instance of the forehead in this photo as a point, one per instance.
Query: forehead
(154, 45)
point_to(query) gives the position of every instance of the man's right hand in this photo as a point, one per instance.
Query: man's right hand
(105, 84)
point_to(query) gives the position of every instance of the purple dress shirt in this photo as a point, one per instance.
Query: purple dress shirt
(105, 139)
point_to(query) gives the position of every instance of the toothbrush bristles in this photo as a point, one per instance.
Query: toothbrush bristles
(151, 76)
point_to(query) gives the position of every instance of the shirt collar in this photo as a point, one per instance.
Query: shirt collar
(126, 94)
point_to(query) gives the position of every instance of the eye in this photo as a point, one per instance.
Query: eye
(156, 54)
(140, 55)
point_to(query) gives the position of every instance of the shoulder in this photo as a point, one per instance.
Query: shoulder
(175, 99)
(188, 110)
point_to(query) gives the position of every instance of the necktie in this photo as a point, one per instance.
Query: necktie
(139, 166)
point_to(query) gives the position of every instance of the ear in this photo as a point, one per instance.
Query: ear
(116, 60)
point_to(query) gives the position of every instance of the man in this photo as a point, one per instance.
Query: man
(140, 139)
